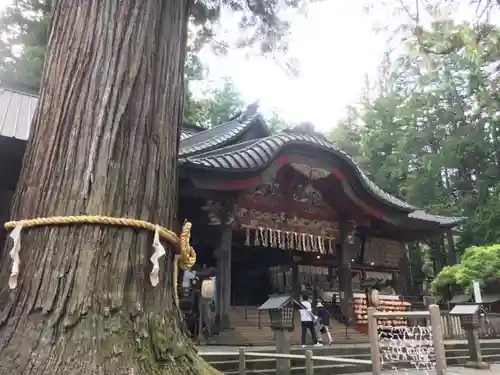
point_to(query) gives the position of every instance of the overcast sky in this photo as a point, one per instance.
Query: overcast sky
(336, 47)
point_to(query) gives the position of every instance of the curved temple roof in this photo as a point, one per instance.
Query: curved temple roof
(243, 144)
(256, 154)
(224, 134)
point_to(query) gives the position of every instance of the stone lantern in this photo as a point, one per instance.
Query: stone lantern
(282, 310)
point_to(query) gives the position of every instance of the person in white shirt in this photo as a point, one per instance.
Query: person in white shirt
(187, 278)
(307, 321)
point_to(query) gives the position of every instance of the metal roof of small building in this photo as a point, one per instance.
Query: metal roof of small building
(276, 302)
(465, 309)
(17, 109)
(16, 113)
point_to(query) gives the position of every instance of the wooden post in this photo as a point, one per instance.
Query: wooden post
(227, 239)
(451, 253)
(400, 278)
(476, 358)
(309, 362)
(223, 279)
(242, 362)
(282, 347)
(200, 318)
(437, 339)
(345, 276)
(296, 287)
(374, 343)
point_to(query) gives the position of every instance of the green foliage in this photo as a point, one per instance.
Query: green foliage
(260, 22)
(275, 122)
(24, 29)
(347, 134)
(481, 263)
(216, 106)
(429, 131)
(219, 104)
(445, 278)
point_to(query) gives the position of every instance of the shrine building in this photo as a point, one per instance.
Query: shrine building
(274, 213)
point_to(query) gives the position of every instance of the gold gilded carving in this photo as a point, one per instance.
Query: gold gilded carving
(311, 172)
(304, 222)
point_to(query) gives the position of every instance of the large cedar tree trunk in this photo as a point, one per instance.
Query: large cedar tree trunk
(104, 142)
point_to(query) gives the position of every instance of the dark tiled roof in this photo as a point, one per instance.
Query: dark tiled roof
(256, 154)
(220, 135)
(16, 113)
(185, 135)
(443, 220)
(187, 130)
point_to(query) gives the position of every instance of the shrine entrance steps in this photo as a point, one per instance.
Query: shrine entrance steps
(246, 332)
(456, 354)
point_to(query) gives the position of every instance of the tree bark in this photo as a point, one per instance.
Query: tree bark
(104, 142)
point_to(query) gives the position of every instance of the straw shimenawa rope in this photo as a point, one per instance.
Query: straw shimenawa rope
(185, 259)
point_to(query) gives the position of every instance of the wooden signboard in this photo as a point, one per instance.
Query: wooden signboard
(382, 252)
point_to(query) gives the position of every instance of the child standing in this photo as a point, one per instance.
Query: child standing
(324, 319)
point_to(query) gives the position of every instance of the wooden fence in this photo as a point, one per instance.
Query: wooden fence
(452, 329)
(444, 326)
(308, 357)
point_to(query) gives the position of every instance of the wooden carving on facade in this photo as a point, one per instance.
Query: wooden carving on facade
(301, 220)
(311, 172)
(219, 212)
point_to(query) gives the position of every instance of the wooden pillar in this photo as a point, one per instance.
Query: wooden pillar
(442, 251)
(330, 276)
(400, 278)
(451, 254)
(223, 259)
(296, 287)
(416, 272)
(437, 253)
(223, 279)
(282, 347)
(345, 276)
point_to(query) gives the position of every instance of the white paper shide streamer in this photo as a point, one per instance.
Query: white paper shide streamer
(14, 255)
(159, 251)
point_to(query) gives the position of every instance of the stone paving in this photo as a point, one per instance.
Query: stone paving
(494, 370)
